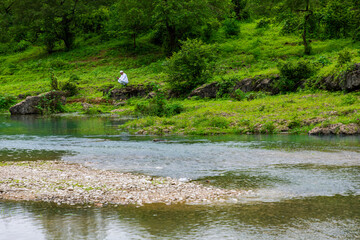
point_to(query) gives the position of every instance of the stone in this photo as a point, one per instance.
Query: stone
(86, 106)
(258, 83)
(34, 104)
(130, 91)
(337, 129)
(206, 91)
(348, 81)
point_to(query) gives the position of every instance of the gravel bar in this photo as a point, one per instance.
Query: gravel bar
(67, 183)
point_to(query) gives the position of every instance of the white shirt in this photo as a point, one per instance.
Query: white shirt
(123, 79)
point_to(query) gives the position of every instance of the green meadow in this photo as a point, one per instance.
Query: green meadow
(95, 64)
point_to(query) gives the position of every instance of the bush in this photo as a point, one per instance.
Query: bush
(231, 27)
(70, 88)
(190, 67)
(158, 106)
(292, 74)
(6, 101)
(263, 23)
(344, 57)
(54, 84)
(226, 87)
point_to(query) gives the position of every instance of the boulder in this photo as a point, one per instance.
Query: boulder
(348, 81)
(206, 91)
(36, 104)
(258, 83)
(351, 79)
(337, 129)
(130, 91)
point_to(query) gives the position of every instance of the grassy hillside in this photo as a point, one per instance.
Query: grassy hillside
(256, 51)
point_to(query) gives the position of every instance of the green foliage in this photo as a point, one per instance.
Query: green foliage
(263, 23)
(54, 84)
(6, 101)
(225, 87)
(158, 105)
(50, 105)
(191, 66)
(344, 57)
(336, 19)
(293, 73)
(240, 9)
(70, 88)
(178, 20)
(239, 95)
(231, 27)
(348, 100)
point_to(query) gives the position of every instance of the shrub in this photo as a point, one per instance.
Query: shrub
(54, 84)
(158, 106)
(225, 87)
(190, 67)
(6, 101)
(348, 100)
(22, 46)
(70, 88)
(231, 27)
(263, 23)
(344, 57)
(292, 74)
(239, 95)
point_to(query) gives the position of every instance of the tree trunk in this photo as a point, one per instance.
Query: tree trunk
(308, 13)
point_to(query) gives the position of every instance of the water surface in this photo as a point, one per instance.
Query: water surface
(298, 187)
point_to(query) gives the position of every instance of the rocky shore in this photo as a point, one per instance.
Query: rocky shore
(73, 184)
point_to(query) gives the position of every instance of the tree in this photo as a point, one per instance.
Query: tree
(191, 66)
(51, 21)
(184, 19)
(132, 17)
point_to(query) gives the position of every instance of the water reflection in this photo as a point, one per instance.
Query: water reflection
(31, 155)
(302, 187)
(318, 217)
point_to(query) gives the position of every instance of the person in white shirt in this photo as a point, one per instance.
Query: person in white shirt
(123, 79)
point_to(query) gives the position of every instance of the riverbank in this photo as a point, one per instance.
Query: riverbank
(74, 184)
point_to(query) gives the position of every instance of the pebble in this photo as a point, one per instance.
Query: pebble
(46, 181)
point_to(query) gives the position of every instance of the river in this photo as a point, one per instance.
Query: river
(299, 187)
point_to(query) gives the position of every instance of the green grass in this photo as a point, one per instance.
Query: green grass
(253, 52)
(292, 113)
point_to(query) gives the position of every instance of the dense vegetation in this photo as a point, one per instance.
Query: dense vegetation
(79, 46)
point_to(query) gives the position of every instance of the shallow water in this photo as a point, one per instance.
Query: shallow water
(300, 187)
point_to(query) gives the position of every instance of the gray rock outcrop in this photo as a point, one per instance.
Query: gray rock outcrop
(206, 91)
(348, 81)
(130, 91)
(337, 129)
(36, 104)
(258, 83)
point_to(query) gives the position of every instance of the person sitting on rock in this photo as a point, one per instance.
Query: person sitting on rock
(123, 79)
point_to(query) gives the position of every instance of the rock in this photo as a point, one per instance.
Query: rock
(337, 129)
(352, 79)
(131, 91)
(258, 83)
(35, 104)
(151, 95)
(348, 81)
(206, 91)
(117, 104)
(86, 106)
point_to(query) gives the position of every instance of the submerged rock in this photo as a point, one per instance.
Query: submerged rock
(36, 104)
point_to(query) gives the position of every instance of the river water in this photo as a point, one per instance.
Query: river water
(299, 187)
